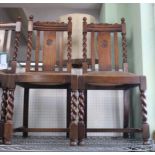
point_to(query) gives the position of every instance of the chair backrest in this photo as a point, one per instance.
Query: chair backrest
(6, 37)
(50, 35)
(105, 51)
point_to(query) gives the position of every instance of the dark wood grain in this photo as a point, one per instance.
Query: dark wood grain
(116, 51)
(126, 99)
(26, 110)
(49, 51)
(108, 78)
(114, 130)
(22, 129)
(93, 50)
(37, 50)
(46, 78)
(104, 51)
(7, 81)
(60, 49)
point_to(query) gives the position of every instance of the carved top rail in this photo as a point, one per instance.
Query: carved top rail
(50, 26)
(104, 27)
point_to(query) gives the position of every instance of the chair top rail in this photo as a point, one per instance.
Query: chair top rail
(103, 27)
(7, 24)
(50, 26)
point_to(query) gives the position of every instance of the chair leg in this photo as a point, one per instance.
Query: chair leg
(81, 125)
(25, 111)
(126, 100)
(68, 109)
(145, 125)
(74, 119)
(3, 112)
(8, 125)
(1, 129)
(85, 112)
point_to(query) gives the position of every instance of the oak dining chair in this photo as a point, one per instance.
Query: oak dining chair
(111, 74)
(54, 73)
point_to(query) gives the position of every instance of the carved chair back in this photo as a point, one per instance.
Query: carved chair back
(49, 45)
(105, 35)
(6, 36)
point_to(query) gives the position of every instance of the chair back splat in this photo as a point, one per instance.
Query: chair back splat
(107, 44)
(49, 46)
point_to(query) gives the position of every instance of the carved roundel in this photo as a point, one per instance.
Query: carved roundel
(49, 42)
(104, 43)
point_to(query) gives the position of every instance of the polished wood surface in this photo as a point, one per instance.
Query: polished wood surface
(116, 51)
(110, 75)
(93, 50)
(104, 51)
(48, 76)
(6, 79)
(49, 50)
(55, 73)
(37, 51)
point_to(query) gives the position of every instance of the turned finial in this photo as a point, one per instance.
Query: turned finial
(69, 19)
(84, 19)
(31, 18)
(123, 20)
(19, 18)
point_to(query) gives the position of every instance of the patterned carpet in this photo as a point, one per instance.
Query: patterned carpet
(61, 144)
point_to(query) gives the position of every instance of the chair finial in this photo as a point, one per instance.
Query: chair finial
(69, 19)
(19, 18)
(84, 19)
(123, 20)
(31, 18)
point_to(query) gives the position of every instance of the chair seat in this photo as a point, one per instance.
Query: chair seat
(111, 78)
(43, 78)
(109, 73)
(1, 74)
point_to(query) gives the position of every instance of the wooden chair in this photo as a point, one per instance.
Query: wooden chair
(7, 36)
(109, 76)
(52, 74)
(50, 63)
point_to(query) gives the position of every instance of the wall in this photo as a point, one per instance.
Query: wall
(140, 41)
(55, 13)
(148, 57)
(4, 15)
(77, 38)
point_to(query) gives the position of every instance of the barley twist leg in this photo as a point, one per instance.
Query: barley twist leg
(74, 119)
